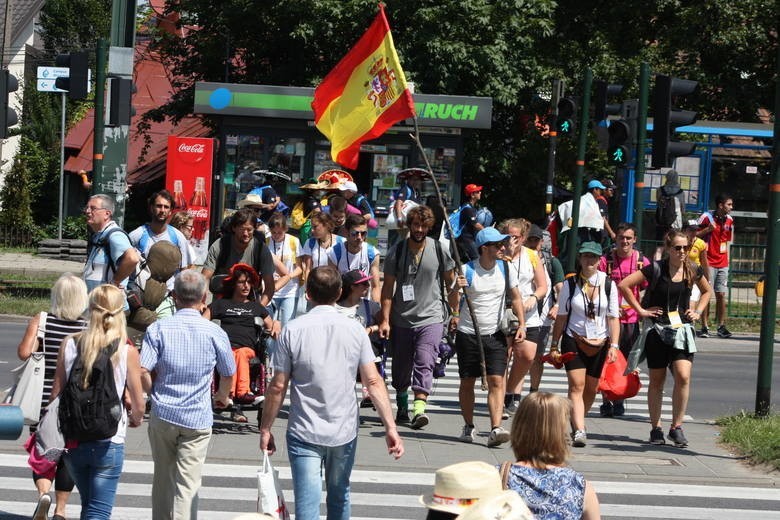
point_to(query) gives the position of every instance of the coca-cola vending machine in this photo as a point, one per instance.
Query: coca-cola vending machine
(188, 177)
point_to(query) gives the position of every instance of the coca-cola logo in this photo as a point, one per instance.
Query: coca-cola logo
(191, 152)
(198, 213)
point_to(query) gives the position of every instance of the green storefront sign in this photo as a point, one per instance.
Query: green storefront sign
(230, 99)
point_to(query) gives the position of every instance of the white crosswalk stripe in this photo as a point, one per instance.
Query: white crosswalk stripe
(229, 489)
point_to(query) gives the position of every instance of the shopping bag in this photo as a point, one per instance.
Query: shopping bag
(391, 222)
(49, 441)
(270, 499)
(28, 388)
(614, 384)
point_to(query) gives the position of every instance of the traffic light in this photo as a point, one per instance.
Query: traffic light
(120, 107)
(666, 118)
(567, 113)
(8, 117)
(601, 107)
(77, 83)
(622, 134)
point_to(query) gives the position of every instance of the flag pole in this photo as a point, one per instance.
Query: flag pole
(454, 251)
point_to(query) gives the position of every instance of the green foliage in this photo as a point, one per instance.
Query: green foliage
(72, 227)
(15, 196)
(756, 437)
(74, 25)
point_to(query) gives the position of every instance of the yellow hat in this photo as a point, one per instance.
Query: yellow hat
(461, 485)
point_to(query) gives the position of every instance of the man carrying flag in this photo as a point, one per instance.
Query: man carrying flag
(364, 95)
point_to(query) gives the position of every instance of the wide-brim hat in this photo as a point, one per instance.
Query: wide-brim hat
(507, 505)
(250, 200)
(461, 485)
(593, 248)
(324, 185)
(412, 172)
(335, 176)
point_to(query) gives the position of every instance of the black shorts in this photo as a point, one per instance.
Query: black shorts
(468, 354)
(592, 364)
(629, 332)
(661, 355)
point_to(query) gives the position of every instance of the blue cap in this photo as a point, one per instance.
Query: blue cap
(596, 184)
(488, 235)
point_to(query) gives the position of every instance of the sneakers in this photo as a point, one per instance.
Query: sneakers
(512, 408)
(704, 332)
(42, 509)
(606, 409)
(250, 399)
(677, 436)
(419, 420)
(579, 439)
(497, 437)
(723, 332)
(402, 417)
(468, 434)
(618, 409)
(504, 413)
(657, 436)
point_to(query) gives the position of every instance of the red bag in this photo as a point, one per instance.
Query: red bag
(614, 385)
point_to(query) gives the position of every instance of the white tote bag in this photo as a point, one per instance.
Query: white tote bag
(28, 389)
(391, 222)
(270, 499)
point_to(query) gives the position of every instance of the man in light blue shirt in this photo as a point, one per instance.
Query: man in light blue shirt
(182, 351)
(319, 353)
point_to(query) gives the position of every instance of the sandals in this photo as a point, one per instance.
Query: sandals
(238, 416)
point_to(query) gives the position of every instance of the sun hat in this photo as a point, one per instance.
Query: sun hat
(595, 183)
(458, 486)
(348, 186)
(489, 234)
(411, 172)
(507, 505)
(591, 247)
(472, 188)
(251, 200)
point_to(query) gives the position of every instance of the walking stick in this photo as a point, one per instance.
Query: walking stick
(455, 254)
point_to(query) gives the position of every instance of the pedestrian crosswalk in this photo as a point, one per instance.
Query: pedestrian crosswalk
(229, 489)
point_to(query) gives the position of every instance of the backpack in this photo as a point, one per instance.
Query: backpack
(147, 234)
(455, 222)
(485, 217)
(104, 243)
(147, 290)
(337, 252)
(666, 208)
(92, 413)
(652, 283)
(361, 198)
(401, 252)
(281, 207)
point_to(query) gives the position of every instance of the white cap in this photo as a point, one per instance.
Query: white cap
(348, 186)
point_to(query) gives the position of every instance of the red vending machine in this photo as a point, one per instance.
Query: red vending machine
(188, 177)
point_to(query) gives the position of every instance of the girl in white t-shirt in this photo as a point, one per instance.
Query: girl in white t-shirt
(286, 250)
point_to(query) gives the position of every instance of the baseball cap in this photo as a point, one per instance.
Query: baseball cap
(348, 186)
(488, 235)
(608, 184)
(354, 277)
(596, 184)
(592, 248)
(535, 232)
(472, 188)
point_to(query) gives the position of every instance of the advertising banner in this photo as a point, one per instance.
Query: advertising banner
(188, 177)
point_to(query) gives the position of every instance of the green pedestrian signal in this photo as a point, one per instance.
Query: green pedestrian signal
(564, 126)
(567, 112)
(618, 155)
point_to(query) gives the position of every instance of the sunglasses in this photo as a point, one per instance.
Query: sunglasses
(681, 248)
(358, 233)
(495, 244)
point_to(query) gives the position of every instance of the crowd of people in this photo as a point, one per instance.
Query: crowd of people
(276, 294)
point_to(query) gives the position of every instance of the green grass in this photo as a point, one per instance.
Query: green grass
(757, 438)
(23, 306)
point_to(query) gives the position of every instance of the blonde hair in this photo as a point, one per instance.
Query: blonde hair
(69, 297)
(106, 323)
(539, 430)
(521, 224)
(180, 219)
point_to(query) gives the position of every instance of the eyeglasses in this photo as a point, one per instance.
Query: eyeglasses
(358, 233)
(681, 248)
(92, 208)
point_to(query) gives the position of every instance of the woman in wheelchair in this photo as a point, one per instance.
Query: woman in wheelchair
(247, 324)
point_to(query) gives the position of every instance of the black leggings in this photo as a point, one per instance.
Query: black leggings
(62, 479)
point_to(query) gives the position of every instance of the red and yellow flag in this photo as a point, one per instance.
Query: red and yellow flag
(364, 94)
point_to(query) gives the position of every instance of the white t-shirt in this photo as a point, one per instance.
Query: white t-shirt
(143, 240)
(346, 261)
(487, 294)
(524, 268)
(578, 322)
(287, 251)
(319, 254)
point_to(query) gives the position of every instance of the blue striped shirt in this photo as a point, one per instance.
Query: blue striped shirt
(182, 351)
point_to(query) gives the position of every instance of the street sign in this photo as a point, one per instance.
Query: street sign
(53, 72)
(47, 75)
(47, 85)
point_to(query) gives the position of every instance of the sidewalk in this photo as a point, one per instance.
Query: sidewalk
(36, 266)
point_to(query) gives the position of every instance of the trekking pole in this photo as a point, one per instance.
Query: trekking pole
(455, 254)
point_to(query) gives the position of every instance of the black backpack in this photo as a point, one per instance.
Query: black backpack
(666, 210)
(92, 413)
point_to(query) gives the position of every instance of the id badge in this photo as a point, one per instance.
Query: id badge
(674, 319)
(723, 247)
(407, 291)
(591, 329)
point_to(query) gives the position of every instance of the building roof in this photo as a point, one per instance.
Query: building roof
(23, 12)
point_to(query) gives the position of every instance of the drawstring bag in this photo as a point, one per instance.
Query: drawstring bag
(614, 385)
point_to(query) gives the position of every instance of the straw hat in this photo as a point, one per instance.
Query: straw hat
(505, 506)
(459, 486)
(335, 176)
(412, 172)
(250, 200)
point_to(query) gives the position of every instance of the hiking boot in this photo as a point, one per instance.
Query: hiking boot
(42, 509)
(618, 409)
(606, 409)
(657, 436)
(677, 436)
(468, 434)
(419, 420)
(402, 417)
(579, 439)
(498, 436)
(723, 332)
(704, 332)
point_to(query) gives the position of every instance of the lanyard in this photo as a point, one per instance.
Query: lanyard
(276, 250)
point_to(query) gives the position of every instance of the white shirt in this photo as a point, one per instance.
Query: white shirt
(487, 294)
(287, 251)
(319, 254)
(524, 268)
(576, 307)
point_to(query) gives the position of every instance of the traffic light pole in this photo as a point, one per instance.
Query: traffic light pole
(64, 96)
(572, 240)
(769, 303)
(641, 144)
(100, 89)
(557, 92)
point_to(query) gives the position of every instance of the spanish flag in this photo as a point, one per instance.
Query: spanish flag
(364, 94)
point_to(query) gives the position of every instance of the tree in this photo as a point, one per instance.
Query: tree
(74, 25)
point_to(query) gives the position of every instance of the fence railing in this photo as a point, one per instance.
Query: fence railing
(14, 237)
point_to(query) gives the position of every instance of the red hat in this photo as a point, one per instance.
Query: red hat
(472, 188)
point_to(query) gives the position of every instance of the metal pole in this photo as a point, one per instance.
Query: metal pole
(99, 123)
(582, 146)
(769, 303)
(641, 143)
(557, 92)
(62, 161)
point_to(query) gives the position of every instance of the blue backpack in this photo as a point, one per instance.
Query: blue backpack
(485, 217)
(361, 198)
(455, 222)
(339, 247)
(281, 207)
(147, 234)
